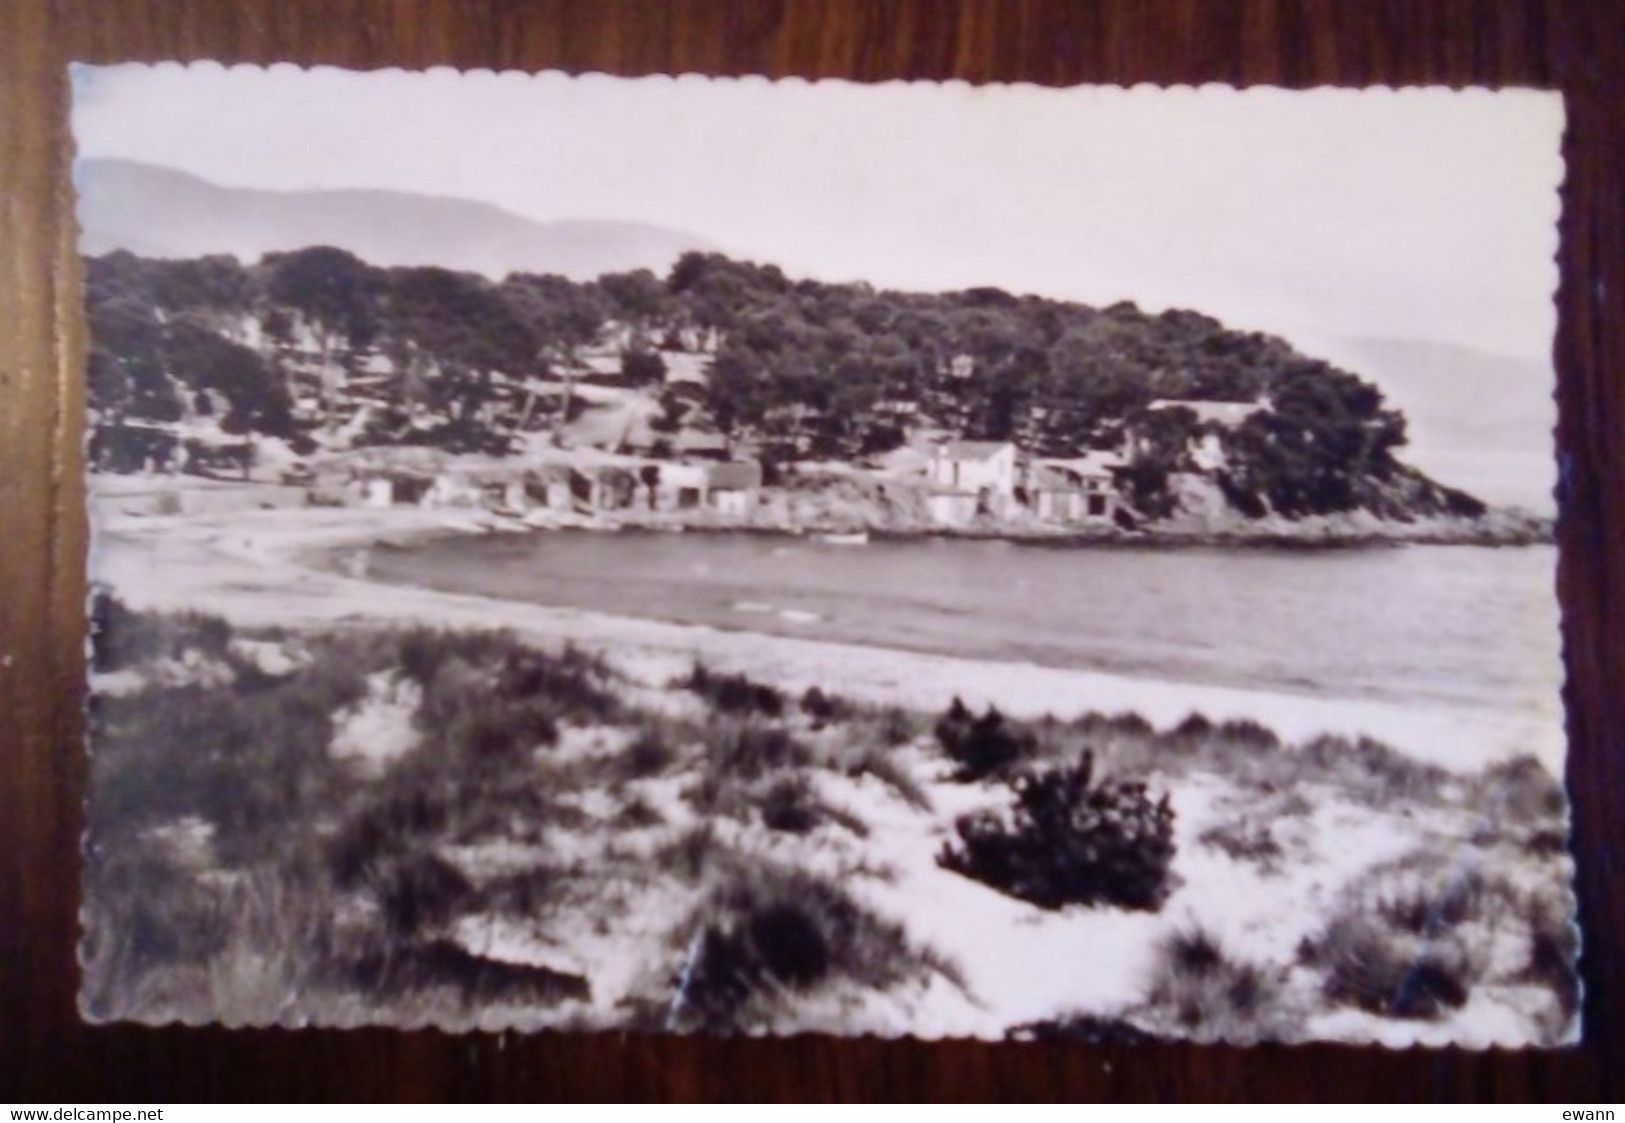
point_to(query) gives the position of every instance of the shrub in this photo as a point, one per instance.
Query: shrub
(388, 826)
(245, 763)
(737, 755)
(424, 651)
(823, 708)
(1246, 731)
(573, 681)
(1374, 771)
(1130, 724)
(1199, 990)
(1520, 790)
(1460, 504)
(734, 693)
(1366, 967)
(689, 855)
(522, 893)
(501, 738)
(189, 946)
(745, 751)
(880, 765)
(1245, 841)
(791, 806)
(1554, 949)
(142, 913)
(122, 637)
(1413, 937)
(981, 745)
(473, 684)
(1071, 842)
(421, 892)
(772, 936)
(896, 727)
(647, 755)
(638, 815)
(1194, 726)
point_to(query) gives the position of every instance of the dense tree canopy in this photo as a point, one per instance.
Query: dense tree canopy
(796, 369)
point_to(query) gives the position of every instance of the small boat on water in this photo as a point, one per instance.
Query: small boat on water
(847, 538)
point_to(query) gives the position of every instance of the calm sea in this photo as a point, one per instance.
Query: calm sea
(1461, 625)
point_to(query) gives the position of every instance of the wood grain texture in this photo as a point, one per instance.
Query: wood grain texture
(47, 1054)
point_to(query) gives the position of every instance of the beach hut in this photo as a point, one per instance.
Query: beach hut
(1077, 489)
(602, 487)
(951, 508)
(549, 486)
(496, 487)
(454, 487)
(975, 466)
(681, 487)
(733, 488)
(970, 478)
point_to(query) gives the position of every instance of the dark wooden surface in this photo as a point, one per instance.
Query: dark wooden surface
(46, 1054)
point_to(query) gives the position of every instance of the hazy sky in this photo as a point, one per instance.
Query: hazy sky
(1420, 214)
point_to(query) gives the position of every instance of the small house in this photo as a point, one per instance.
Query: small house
(970, 478)
(603, 487)
(508, 496)
(1079, 489)
(975, 467)
(684, 368)
(549, 486)
(451, 489)
(473, 487)
(681, 487)
(383, 485)
(734, 487)
(497, 487)
(952, 508)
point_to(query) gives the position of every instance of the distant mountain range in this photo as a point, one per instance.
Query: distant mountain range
(160, 212)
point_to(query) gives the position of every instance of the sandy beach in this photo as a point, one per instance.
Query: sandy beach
(277, 567)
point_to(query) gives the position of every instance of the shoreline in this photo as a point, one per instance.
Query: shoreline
(1311, 534)
(262, 568)
(1358, 530)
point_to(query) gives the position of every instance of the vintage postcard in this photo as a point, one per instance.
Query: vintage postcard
(682, 555)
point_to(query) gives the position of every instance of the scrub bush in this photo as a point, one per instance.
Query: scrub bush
(734, 694)
(1200, 990)
(1071, 841)
(982, 745)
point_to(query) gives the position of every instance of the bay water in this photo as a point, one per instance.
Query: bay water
(1461, 625)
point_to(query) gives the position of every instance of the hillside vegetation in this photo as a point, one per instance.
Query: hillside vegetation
(322, 350)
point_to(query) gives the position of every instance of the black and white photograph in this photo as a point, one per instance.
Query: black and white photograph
(687, 554)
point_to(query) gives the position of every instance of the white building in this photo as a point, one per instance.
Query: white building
(985, 468)
(1077, 489)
